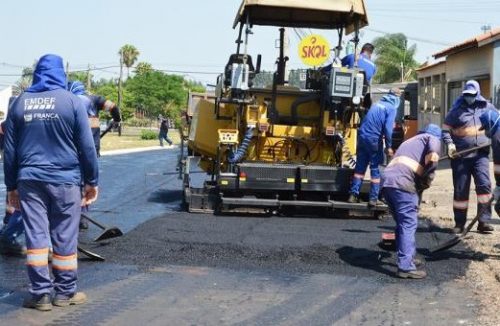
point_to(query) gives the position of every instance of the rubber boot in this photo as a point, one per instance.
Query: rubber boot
(484, 227)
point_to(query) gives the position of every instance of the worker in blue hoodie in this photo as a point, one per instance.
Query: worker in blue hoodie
(376, 127)
(461, 131)
(490, 123)
(410, 172)
(48, 150)
(95, 104)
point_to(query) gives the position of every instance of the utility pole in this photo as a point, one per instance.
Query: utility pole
(402, 72)
(67, 68)
(486, 28)
(88, 78)
(120, 94)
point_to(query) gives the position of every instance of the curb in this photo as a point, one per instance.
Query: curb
(137, 150)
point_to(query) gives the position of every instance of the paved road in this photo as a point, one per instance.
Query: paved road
(175, 268)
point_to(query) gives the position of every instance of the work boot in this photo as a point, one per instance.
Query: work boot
(458, 229)
(84, 225)
(41, 303)
(12, 248)
(374, 203)
(414, 275)
(418, 262)
(484, 227)
(353, 199)
(64, 301)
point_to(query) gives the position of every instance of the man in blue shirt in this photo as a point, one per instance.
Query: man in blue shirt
(376, 127)
(48, 151)
(363, 61)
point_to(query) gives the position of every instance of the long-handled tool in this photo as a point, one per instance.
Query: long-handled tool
(111, 125)
(458, 238)
(90, 254)
(464, 152)
(109, 231)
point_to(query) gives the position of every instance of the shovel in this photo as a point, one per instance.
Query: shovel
(90, 254)
(464, 152)
(109, 232)
(458, 238)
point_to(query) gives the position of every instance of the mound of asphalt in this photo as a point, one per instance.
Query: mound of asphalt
(302, 245)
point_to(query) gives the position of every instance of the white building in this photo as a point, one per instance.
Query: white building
(5, 95)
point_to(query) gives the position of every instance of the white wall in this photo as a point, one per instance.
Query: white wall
(5, 95)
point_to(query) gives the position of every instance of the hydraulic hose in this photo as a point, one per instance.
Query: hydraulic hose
(242, 150)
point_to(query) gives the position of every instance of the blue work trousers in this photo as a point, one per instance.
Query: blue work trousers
(463, 169)
(368, 153)
(404, 208)
(51, 213)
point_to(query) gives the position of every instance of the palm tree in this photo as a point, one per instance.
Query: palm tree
(394, 59)
(25, 81)
(143, 68)
(129, 55)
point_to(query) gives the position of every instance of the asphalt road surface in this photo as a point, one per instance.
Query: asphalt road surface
(175, 268)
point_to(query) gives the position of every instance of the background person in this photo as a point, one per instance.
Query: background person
(461, 131)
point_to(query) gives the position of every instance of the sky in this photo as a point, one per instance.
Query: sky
(195, 37)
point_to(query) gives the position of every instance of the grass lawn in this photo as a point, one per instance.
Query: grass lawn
(131, 139)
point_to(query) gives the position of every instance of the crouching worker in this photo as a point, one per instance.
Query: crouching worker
(490, 123)
(409, 173)
(377, 125)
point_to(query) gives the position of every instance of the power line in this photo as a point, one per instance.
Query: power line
(437, 20)
(417, 39)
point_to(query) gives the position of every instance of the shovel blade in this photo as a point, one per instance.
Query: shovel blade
(110, 233)
(91, 255)
(446, 245)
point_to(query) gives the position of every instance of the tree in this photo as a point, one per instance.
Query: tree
(26, 79)
(394, 59)
(158, 93)
(129, 55)
(143, 68)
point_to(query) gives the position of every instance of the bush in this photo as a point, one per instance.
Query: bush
(148, 134)
(135, 122)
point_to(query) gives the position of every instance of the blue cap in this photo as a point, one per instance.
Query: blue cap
(433, 130)
(76, 87)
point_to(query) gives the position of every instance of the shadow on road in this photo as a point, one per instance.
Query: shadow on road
(366, 259)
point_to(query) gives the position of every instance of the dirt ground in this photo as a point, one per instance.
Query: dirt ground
(484, 275)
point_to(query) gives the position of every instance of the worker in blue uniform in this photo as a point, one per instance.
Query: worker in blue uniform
(490, 123)
(94, 104)
(461, 131)
(13, 227)
(376, 127)
(409, 173)
(48, 150)
(362, 61)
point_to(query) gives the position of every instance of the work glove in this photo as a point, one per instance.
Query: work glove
(452, 150)
(389, 152)
(496, 193)
(424, 182)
